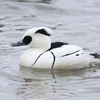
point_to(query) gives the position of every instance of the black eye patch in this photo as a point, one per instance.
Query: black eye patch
(27, 39)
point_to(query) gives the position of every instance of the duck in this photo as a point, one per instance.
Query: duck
(42, 53)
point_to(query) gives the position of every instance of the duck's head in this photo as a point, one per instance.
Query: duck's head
(38, 37)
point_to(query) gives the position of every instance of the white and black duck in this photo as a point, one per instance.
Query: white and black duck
(44, 54)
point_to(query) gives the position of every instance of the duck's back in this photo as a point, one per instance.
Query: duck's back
(72, 56)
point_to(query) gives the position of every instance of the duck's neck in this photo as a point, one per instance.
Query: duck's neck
(43, 45)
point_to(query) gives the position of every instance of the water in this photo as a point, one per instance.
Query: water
(73, 21)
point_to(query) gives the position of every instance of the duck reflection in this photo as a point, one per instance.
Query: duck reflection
(47, 82)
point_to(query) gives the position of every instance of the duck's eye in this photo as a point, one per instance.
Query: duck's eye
(27, 39)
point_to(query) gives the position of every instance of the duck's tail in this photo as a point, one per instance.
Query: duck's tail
(95, 55)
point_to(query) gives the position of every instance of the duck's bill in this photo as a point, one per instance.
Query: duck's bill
(20, 43)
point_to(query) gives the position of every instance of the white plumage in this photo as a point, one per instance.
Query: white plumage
(44, 54)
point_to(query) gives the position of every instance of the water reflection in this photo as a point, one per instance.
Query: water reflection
(56, 83)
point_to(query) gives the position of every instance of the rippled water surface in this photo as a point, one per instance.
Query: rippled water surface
(73, 21)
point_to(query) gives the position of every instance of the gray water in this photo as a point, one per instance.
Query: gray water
(73, 21)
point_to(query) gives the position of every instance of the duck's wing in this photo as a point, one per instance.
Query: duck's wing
(72, 55)
(61, 49)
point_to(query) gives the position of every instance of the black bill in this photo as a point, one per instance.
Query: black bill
(20, 43)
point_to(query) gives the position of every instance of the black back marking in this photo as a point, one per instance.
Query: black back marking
(95, 55)
(27, 39)
(70, 53)
(37, 58)
(41, 55)
(57, 45)
(77, 54)
(42, 31)
(53, 59)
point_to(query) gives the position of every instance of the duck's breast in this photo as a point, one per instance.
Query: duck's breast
(36, 58)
